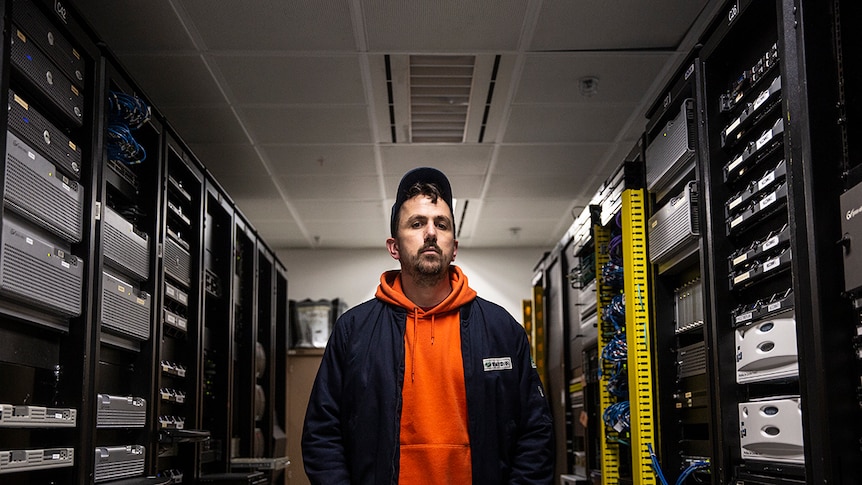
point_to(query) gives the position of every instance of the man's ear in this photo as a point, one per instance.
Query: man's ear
(455, 251)
(392, 247)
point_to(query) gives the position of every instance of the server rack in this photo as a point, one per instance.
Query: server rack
(107, 379)
(555, 304)
(627, 429)
(218, 349)
(771, 226)
(180, 325)
(127, 295)
(582, 323)
(49, 237)
(680, 282)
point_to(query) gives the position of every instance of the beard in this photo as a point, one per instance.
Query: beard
(428, 268)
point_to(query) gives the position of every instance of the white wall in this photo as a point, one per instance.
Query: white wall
(501, 275)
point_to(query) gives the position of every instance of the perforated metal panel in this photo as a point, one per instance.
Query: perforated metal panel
(39, 272)
(121, 411)
(177, 262)
(125, 247)
(669, 151)
(674, 225)
(35, 190)
(114, 462)
(125, 310)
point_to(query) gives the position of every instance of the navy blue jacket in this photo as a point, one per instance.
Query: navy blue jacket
(352, 424)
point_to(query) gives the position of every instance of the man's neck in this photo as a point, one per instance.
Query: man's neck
(425, 294)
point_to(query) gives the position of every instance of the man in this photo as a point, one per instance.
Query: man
(427, 383)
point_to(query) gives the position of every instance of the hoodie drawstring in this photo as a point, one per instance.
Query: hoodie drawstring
(413, 353)
(413, 344)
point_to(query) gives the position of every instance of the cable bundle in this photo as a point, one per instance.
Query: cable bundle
(689, 470)
(616, 351)
(125, 113)
(618, 416)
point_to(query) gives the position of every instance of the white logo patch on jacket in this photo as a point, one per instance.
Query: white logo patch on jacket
(497, 363)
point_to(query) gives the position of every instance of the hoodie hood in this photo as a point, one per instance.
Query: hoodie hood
(390, 291)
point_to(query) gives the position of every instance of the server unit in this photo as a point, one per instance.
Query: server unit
(675, 226)
(45, 75)
(36, 190)
(672, 149)
(40, 272)
(116, 462)
(39, 459)
(125, 308)
(125, 247)
(35, 130)
(121, 411)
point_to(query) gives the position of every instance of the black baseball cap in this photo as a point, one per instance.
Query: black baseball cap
(425, 175)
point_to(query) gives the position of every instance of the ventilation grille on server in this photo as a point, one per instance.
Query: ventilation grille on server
(126, 248)
(121, 411)
(671, 149)
(115, 462)
(37, 191)
(125, 310)
(692, 360)
(177, 261)
(40, 273)
(41, 134)
(674, 226)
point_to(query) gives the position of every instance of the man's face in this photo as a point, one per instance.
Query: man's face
(425, 242)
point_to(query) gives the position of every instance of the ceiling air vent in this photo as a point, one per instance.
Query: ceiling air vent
(439, 97)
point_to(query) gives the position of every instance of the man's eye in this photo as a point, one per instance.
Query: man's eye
(416, 225)
(442, 225)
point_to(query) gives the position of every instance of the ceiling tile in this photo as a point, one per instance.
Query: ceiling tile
(555, 78)
(259, 209)
(228, 160)
(348, 233)
(334, 210)
(292, 79)
(450, 159)
(288, 160)
(463, 186)
(525, 208)
(498, 234)
(566, 123)
(281, 234)
(304, 124)
(221, 125)
(134, 26)
(192, 82)
(477, 25)
(273, 25)
(563, 185)
(622, 24)
(549, 159)
(331, 187)
(250, 186)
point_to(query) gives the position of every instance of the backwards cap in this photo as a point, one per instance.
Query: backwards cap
(426, 175)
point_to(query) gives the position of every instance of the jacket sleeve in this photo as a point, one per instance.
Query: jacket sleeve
(323, 447)
(535, 448)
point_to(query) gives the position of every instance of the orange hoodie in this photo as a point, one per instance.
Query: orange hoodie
(435, 444)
